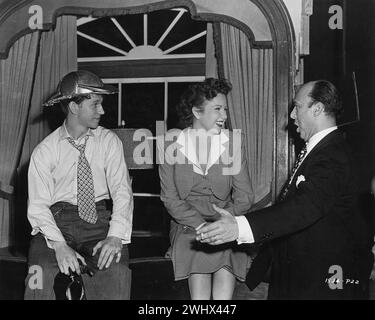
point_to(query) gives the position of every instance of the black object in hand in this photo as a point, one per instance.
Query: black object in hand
(71, 287)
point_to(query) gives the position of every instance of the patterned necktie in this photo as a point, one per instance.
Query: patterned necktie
(300, 158)
(85, 186)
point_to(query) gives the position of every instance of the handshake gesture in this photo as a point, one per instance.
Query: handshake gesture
(221, 231)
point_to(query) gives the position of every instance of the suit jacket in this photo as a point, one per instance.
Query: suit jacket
(231, 191)
(317, 226)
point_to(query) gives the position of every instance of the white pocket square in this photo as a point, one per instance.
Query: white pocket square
(300, 179)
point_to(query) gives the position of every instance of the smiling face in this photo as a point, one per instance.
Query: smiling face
(90, 111)
(303, 113)
(212, 115)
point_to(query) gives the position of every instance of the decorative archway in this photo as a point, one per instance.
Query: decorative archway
(266, 23)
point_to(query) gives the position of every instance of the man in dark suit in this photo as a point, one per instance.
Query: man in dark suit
(313, 238)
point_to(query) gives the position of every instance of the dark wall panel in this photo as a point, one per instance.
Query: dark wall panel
(335, 55)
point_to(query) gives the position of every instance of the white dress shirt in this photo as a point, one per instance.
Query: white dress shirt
(245, 234)
(52, 177)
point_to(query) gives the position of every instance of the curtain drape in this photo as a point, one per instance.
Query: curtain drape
(17, 77)
(251, 102)
(57, 57)
(29, 76)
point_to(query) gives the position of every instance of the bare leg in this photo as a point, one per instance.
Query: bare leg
(223, 285)
(200, 286)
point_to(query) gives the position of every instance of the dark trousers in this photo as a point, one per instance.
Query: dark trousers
(107, 284)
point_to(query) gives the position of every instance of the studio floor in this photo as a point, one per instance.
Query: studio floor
(152, 279)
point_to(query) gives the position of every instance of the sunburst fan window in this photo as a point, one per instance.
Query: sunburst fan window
(163, 34)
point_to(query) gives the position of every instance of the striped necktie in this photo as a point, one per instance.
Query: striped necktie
(299, 160)
(85, 185)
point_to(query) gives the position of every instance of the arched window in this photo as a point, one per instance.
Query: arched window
(149, 57)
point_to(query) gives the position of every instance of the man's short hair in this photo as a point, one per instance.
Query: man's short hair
(325, 92)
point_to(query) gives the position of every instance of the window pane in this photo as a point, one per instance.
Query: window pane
(143, 105)
(146, 181)
(133, 26)
(104, 30)
(183, 30)
(158, 22)
(110, 106)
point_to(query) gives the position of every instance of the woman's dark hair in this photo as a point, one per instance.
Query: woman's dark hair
(65, 103)
(195, 95)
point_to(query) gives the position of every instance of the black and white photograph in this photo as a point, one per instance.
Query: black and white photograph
(170, 152)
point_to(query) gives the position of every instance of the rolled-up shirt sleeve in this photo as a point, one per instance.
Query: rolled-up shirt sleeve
(119, 185)
(41, 186)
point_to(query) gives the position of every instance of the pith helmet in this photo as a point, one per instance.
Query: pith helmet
(78, 83)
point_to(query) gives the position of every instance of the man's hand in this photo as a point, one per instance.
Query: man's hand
(221, 231)
(110, 247)
(66, 257)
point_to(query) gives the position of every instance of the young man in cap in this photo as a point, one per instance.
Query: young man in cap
(73, 173)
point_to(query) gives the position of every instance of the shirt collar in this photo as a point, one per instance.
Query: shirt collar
(317, 137)
(64, 134)
(188, 150)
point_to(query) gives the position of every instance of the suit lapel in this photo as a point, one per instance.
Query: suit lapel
(329, 138)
